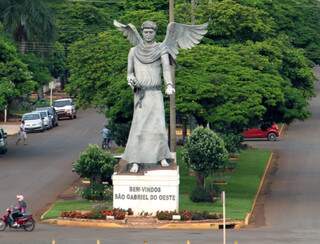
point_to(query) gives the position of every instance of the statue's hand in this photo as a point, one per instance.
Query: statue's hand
(170, 90)
(132, 81)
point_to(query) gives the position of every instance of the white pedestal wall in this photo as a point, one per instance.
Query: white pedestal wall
(154, 191)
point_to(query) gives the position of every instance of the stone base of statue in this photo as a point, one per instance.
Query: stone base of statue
(147, 192)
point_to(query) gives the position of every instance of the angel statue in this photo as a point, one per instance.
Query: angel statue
(148, 140)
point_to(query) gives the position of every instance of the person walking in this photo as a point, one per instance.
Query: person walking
(22, 135)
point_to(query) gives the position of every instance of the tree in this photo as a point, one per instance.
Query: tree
(57, 61)
(94, 68)
(153, 5)
(95, 163)
(239, 86)
(28, 21)
(98, 78)
(241, 76)
(76, 20)
(299, 19)
(229, 21)
(39, 69)
(204, 152)
(15, 78)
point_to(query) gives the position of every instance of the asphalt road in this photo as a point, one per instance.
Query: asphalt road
(42, 169)
(290, 211)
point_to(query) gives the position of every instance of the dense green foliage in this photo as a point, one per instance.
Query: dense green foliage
(38, 67)
(96, 192)
(28, 21)
(254, 65)
(15, 78)
(247, 70)
(204, 152)
(200, 194)
(299, 19)
(240, 85)
(94, 163)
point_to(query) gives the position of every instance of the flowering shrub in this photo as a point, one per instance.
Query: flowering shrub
(119, 213)
(76, 214)
(165, 215)
(107, 212)
(186, 215)
(95, 214)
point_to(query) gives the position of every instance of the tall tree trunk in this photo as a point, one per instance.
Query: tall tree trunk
(22, 35)
(200, 179)
(184, 130)
(23, 45)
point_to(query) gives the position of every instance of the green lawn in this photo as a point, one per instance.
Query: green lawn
(241, 187)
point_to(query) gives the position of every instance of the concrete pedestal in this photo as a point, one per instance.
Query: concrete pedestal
(154, 191)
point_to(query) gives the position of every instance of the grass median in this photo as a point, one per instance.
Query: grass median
(241, 186)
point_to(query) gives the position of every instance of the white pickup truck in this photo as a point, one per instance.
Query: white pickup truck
(65, 108)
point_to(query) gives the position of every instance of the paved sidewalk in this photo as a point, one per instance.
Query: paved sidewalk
(11, 128)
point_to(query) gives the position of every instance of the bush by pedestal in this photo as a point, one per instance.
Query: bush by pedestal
(204, 152)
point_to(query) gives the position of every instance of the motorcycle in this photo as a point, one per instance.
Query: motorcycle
(25, 222)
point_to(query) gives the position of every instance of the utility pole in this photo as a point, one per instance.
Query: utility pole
(223, 195)
(173, 96)
(5, 113)
(193, 17)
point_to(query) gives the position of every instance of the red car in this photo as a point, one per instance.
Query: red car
(269, 132)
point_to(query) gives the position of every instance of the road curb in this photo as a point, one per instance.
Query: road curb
(44, 214)
(282, 130)
(201, 226)
(76, 223)
(172, 226)
(249, 215)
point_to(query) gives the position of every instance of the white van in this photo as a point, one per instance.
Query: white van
(65, 108)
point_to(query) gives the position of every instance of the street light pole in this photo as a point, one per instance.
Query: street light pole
(173, 96)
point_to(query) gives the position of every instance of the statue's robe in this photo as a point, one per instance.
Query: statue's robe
(148, 140)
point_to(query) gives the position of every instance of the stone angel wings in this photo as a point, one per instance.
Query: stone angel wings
(177, 36)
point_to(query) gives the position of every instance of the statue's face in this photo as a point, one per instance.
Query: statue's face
(148, 35)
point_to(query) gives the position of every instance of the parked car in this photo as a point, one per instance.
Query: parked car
(47, 120)
(33, 122)
(3, 141)
(268, 131)
(65, 108)
(52, 113)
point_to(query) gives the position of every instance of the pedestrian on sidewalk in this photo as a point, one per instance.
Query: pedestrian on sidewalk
(22, 135)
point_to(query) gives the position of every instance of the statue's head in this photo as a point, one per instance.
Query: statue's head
(149, 30)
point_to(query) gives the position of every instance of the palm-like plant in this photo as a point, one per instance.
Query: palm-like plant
(29, 21)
